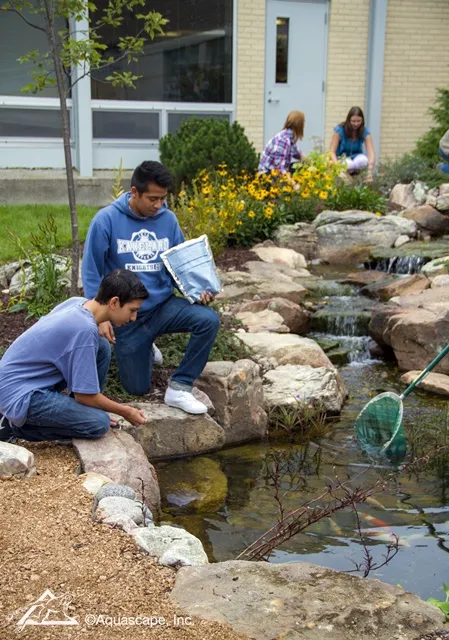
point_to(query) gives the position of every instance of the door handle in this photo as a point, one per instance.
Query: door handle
(273, 100)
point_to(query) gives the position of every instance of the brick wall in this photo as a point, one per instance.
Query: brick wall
(347, 54)
(416, 63)
(251, 68)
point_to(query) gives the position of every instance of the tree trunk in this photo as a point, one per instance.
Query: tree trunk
(65, 121)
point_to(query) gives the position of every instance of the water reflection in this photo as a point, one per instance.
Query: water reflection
(415, 506)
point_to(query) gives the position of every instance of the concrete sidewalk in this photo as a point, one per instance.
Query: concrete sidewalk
(49, 186)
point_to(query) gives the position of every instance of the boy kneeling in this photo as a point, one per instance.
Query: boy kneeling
(64, 350)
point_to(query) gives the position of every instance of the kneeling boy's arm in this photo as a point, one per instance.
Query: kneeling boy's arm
(100, 401)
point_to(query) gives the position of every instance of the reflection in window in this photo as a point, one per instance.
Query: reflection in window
(16, 39)
(126, 125)
(30, 123)
(282, 25)
(191, 62)
(175, 119)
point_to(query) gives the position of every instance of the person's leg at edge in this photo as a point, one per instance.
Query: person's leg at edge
(444, 166)
(177, 315)
(53, 416)
(103, 361)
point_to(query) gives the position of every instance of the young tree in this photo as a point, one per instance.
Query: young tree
(80, 47)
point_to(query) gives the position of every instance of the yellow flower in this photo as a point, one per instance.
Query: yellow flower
(269, 211)
(323, 195)
(378, 213)
(206, 190)
(251, 214)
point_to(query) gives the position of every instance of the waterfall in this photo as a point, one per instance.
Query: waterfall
(404, 265)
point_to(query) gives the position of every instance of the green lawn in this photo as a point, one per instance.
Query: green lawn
(23, 220)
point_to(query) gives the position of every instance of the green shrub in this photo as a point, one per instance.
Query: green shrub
(360, 197)
(428, 145)
(48, 272)
(205, 143)
(404, 170)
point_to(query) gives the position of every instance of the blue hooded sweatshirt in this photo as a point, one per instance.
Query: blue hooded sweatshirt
(119, 239)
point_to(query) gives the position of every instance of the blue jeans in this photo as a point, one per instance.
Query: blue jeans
(53, 415)
(133, 348)
(444, 166)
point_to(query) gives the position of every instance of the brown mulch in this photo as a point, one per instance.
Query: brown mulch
(12, 324)
(48, 541)
(234, 258)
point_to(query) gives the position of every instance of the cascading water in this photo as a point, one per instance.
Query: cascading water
(403, 265)
(344, 320)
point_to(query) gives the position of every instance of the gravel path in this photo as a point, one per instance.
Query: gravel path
(48, 541)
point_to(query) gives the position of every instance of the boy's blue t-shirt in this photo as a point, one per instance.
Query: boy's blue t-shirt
(346, 146)
(61, 346)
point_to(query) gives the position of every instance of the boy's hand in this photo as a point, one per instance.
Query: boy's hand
(134, 416)
(207, 297)
(106, 331)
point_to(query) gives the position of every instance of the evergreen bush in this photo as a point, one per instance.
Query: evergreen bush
(428, 145)
(205, 143)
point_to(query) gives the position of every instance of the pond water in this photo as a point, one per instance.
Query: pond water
(415, 506)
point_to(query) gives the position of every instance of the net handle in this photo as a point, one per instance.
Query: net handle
(426, 371)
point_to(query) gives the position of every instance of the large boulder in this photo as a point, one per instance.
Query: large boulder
(343, 235)
(240, 285)
(300, 237)
(172, 433)
(391, 287)
(288, 257)
(295, 317)
(235, 389)
(402, 196)
(265, 320)
(119, 457)
(286, 349)
(289, 383)
(299, 600)
(16, 462)
(433, 383)
(415, 327)
(437, 267)
(428, 219)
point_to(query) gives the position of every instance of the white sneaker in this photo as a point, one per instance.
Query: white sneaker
(158, 358)
(184, 400)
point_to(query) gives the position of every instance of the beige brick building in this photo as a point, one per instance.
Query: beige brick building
(412, 53)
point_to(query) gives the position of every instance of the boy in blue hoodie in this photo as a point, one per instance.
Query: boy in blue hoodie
(131, 233)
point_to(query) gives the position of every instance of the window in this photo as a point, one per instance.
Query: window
(282, 25)
(175, 119)
(191, 62)
(33, 123)
(16, 39)
(128, 125)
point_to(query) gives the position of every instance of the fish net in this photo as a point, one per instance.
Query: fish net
(379, 428)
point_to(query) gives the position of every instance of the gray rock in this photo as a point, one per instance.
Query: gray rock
(300, 237)
(442, 203)
(437, 267)
(301, 601)
(286, 349)
(400, 240)
(402, 196)
(172, 433)
(172, 546)
(16, 462)
(6, 273)
(112, 506)
(420, 192)
(347, 236)
(119, 457)
(288, 383)
(235, 389)
(114, 489)
(288, 257)
(428, 219)
(266, 320)
(240, 285)
(123, 522)
(295, 317)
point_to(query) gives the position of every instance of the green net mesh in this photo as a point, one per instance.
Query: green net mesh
(379, 428)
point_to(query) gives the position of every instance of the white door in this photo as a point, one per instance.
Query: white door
(295, 66)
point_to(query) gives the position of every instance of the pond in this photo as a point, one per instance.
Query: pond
(414, 507)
